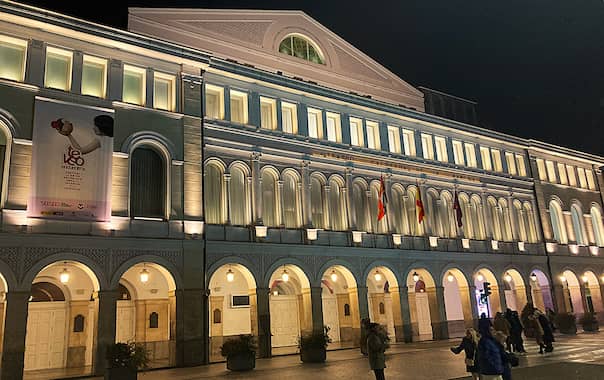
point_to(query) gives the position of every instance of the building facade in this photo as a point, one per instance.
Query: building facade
(210, 173)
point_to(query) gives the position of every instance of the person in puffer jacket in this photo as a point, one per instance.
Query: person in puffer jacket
(489, 356)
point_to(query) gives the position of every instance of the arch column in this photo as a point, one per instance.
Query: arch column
(583, 296)
(264, 322)
(363, 303)
(560, 303)
(513, 218)
(326, 207)
(306, 197)
(473, 305)
(503, 305)
(280, 203)
(192, 326)
(488, 223)
(529, 295)
(256, 189)
(15, 326)
(316, 301)
(227, 185)
(105, 333)
(389, 213)
(368, 220)
(536, 221)
(352, 213)
(403, 300)
(440, 327)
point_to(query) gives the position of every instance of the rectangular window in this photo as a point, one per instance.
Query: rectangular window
(164, 91)
(134, 85)
(551, 171)
(373, 135)
(427, 147)
(485, 155)
(94, 76)
(591, 182)
(289, 118)
(496, 155)
(511, 161)
(12, 58)
(409, 142)
(441, 149)
(541, 169)
(57, 73)
(572, 179)
(334, 129)
(238, 102)
(470, 155)
(394, 140)
(562, 174)
(214, 102)
(268, 113)
(520, 165)
(458, 156)
(582, 179)
(315, 123)
(356, 132)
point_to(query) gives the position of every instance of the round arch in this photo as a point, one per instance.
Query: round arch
(593, 294)
(514, 289)
(90, 267)
(458, 305)
(541, 290)
(166, 268)
(234, 260)
(383, 298)
(492, 304)
(571, 291)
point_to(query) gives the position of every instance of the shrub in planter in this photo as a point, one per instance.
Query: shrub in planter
(313, 346)
(589, 322)
(125, 359)
(566, 322)
(240, 353)
(528, 310)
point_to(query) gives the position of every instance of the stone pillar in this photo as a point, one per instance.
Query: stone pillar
(440, 327)
(513, 218)
(363, 303)
(317, 308)
(15, 326)
(602, 295)
(105, 329)
(256, 189)
(488, 223)
(264, 322)
(536, 220)
(369, 222)
(583, 296)
(192, 327)
(306, 195)
(227, 186)
(389, 212)
(352, 216)
(280, 203)
(326, 208)
(403, 293)
(502, 302)
(473, 305)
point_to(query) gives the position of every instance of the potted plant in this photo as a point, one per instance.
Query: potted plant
(240, 353)
(124, 360)
(566, 322)
(313, 346)
(589, 322)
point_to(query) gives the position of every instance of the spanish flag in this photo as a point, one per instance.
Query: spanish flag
(419, 207)
(382, 200)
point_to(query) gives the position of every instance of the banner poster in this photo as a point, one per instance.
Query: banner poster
(72, 149)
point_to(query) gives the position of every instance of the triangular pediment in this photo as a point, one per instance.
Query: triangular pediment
(253, 37)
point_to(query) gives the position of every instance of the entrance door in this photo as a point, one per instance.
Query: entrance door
(331, 317)
(125, 322)
(424, 322)
(45, 339)
(285, 325)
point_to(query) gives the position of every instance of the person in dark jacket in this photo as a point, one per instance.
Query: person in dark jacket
(548, 334)
(376, 346)
(469, 345)
(501, 339)
(490, 364)
(515, 331)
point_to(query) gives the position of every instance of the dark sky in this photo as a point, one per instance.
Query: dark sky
(535, 67)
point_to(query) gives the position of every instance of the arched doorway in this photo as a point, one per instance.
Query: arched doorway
(290, 308)
(541, 291)
(571, 293)
(423, 304)
(593, 296)
(514, 290)
(233, 307)
(487, 305)
(146, 311)
(457, 303)
(61, 320)
(340, 306)
(384, 300)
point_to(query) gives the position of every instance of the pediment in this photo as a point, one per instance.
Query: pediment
(253, 37)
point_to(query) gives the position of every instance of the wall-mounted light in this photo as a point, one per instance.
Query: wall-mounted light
(465, 243)
(450, 277)
(144, 275)
(285, 275)
(521, 246)
(377, 275)
(415, 277)
(507, 277)
(480, 277)
(230, 276)
(334, 275)
(562, 278)
(495, 245)
(312, 233)
(397, 239)
(533, 277)
(64, 276)
(261, 231)
(357, 236)
(584, 278)
(433, 241)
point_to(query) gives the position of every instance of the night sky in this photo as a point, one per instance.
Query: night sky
(535, 67)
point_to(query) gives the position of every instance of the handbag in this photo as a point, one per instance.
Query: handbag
(513, 359)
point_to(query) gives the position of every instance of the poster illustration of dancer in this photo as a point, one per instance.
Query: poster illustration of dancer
(72, 150)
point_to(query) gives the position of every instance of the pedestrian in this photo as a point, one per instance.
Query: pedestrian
(469, 345)
(363, 340)
(376, 345)
(501, 339)
(548, 333)
(551, 315)
(484, 322)
(538, 331)
(515, 331)
(501, 324)
(490, 365)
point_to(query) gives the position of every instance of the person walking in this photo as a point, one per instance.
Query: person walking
(469, 345)
(376, 346)
(548, 333)
(501, 324)
(490, 365)
(538, 331)
(502, 339)
(515, 331)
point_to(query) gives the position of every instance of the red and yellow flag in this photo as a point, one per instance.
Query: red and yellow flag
(419, 207)
(382, 200)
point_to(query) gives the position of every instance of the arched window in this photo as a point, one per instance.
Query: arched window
(239, 197)
(432, 212)
(415, 228)
(596, 221)
(400, 222)
(359, 200)
(519, 214)
(506, 220)
(317, 198)
(478, 218)
(291, 201)
(447, 215)
(300, 47)
(270, 215)
(531, 228)
(381, 226)
(496, 217)
(337, 205)
(557, 220)
(466, 216)
(214, 194)
(147, 183)
(578, 225)
(346, 310)
(153, 320)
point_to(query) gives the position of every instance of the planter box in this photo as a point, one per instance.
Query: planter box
(122, 373)
(241, 362)
(313, 355)
(591, 327)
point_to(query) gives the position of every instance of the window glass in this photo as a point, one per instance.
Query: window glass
(520, 165)
(409, 142)
(238, 106)
(394, 140)
(239, 196)
(147, 184)
(164, 91)
(485, 155)
(582, 179)
(591, 183)
(268, 113)
(562, 174)
(317, 202)
(270, 216)
(12, 58)
(470, 155)
(356, 132)
(541, 170)
(214, 106)
(551, 171)
(289, 118)
(496, 155)
(458, 156)
(58, 69)
(373, 135)
(572, 179)
(441, 149)
(134, 85)
(315, 123)
(511, 162)
(333, 127)
(300, 47)
(94, 76)
(214, 194)
(427, 147)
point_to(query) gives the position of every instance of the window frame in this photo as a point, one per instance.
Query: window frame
(220, 91)
(581, 177)
(440, 143)
(551, 171)
(409, 142)
(99, 61)
(541, 170)
(16, 42)
(562, 173)
(319, 117)
(510, 160)
(395, 131)
(485, 156)
(427, 146)
(359, 132)
(571, 174)
(337, 126)
(458, 152)
(171, 79)
(293, 107)
(143, 93)
(245, 105)
(373, 129)
(496, 160)
(272, 102)
(51, 50)
(470, 151)
(520, 165)
(164, 154)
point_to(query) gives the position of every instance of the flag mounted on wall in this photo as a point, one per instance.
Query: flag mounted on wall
(382, 200)
(419, 206)
(458, 213)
